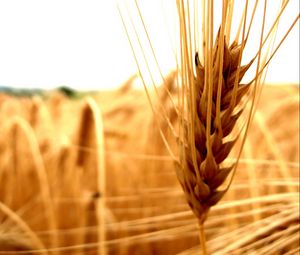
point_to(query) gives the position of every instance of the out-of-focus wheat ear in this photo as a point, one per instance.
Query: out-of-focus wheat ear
(40, 119)
(21, 125)
(90, 161)
(82, 171)
(101, 174)
(10, 107)
(127, 85)
(30, 236)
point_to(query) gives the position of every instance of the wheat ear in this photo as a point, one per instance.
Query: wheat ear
(200, 172)
(210, 103)
(93, 168)
(214, 120)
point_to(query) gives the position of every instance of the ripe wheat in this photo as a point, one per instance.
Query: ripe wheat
(199, 172)
(211, 99)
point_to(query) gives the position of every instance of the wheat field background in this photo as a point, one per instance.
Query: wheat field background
(92, 176)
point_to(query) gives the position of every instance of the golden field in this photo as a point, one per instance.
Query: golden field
(92, 176)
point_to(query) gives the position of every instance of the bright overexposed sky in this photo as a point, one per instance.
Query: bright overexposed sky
(82, 44)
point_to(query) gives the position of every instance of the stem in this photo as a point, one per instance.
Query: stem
(202, 238)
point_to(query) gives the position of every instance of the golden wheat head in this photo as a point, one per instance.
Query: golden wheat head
(211, 100)
(212, 91)
(200, 172)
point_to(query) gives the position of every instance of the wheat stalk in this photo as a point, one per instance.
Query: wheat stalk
(212, 101)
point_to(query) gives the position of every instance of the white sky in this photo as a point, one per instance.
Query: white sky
(82, 44)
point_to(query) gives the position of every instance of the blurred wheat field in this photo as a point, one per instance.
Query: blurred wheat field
(92, 176)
